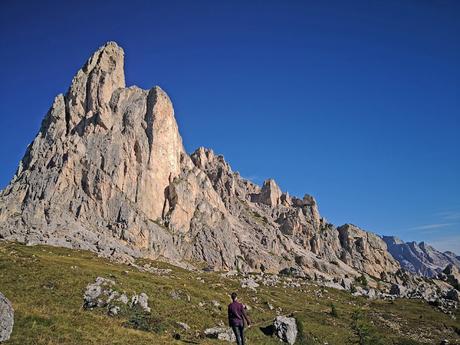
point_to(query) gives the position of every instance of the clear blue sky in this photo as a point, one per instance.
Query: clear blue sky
(354, 102)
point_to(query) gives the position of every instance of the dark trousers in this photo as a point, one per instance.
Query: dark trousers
(238, 330)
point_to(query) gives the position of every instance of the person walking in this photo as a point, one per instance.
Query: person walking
(236, 317)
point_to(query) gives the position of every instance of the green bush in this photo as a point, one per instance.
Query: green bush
(362, 280)
(144, 321)
(334, 312)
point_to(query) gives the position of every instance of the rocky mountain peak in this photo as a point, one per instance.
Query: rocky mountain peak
(108, 172)
(93, 86)
(270, 194)
(392, 240)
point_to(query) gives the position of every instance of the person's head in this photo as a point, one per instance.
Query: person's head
(234, 296)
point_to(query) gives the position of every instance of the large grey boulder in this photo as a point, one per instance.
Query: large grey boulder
(286, 329)
(6, 318)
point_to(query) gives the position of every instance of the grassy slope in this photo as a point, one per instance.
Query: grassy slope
(46, 285)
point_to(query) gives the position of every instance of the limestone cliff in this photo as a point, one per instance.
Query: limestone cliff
(107, 172)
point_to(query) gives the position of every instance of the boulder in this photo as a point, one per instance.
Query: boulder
(140, 300)
(286, 329)
(93, 296)
(143, 302)
(113, 310)
(6, 318)
(346, 283)
(183, 325)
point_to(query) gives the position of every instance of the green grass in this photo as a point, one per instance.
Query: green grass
(46, 286)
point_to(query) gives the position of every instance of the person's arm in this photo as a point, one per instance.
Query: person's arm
(248, 320)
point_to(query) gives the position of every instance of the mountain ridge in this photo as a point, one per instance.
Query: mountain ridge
(420, 258)
(108, 172)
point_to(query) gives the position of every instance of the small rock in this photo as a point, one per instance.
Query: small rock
(143, 301)
(113, 310)
(123, 299)
(183, 325)
(249, 283)
(112, 296)
(221, 333)
(215, 303)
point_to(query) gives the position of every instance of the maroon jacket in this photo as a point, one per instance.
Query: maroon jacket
(236, 314)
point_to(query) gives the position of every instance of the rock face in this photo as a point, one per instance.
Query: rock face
(420, 258)
(108, 172)
(99, 166)
(365, 250)
(6, 318)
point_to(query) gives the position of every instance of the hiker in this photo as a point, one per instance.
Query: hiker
(236, 316)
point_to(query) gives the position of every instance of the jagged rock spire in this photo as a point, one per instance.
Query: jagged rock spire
(93, 85)
(100, 165)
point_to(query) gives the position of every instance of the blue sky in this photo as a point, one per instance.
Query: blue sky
(354, 102)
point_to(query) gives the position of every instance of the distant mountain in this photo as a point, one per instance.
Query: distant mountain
(420, 258)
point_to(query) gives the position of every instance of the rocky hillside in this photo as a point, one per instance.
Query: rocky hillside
(420, 258)
(71, 297)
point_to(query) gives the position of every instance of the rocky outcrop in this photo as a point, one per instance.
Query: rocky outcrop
(270, 194)
(6, 318)
(103, 294)
(451, 274)
(365, 251)
(420, 258)
(108, 172)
